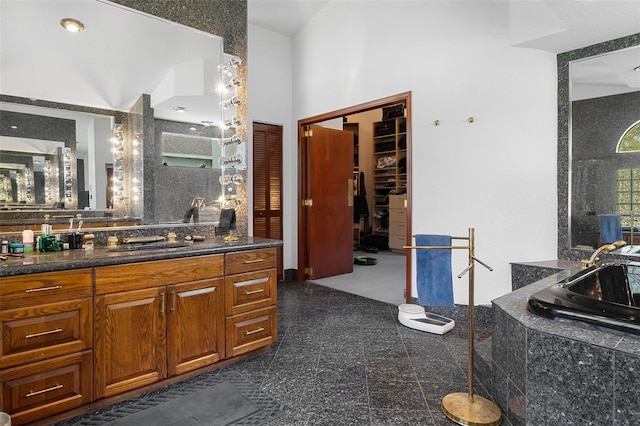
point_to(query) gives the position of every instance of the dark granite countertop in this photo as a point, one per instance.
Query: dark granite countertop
(101, 256)
(515, 305)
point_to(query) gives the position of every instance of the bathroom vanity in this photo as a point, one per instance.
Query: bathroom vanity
(83, 328)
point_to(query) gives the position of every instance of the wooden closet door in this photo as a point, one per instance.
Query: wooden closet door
(267, 185)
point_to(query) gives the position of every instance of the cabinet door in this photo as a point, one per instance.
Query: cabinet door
(130, 340)
(195, 325)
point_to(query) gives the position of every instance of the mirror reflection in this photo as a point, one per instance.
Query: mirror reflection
(605, 149)
(132, 76)
(36, 139)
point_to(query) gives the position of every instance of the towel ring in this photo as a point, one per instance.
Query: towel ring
(231, 203)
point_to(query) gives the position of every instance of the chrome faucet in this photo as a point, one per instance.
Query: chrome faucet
(607, 248)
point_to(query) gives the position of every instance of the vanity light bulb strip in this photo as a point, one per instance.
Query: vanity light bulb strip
(235, 139)
(68, 178)
(229, 103)
(48, 192)
(233, 122)
(27, 184)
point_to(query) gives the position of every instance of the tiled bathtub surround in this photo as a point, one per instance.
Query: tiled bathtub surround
(525, 273)
(547, 372)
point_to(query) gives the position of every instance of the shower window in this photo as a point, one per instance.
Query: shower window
(628, 182)
(628, 195)
(630, 140)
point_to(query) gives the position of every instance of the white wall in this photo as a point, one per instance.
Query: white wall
(269, 100)
(497, 174)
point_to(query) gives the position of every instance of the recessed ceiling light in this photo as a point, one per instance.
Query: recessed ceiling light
(72, 25)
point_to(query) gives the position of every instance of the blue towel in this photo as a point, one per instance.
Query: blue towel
(435, 285)
(610, 228)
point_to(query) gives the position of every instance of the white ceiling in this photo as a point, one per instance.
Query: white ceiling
(553, 25)
(283, 16)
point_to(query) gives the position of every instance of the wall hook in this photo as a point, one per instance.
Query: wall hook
(471, 119)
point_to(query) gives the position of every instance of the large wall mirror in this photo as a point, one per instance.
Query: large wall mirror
(599, 105)
(126, 75)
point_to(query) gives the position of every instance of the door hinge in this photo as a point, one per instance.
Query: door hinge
(308, 271)
(308, 133)
(308, 202)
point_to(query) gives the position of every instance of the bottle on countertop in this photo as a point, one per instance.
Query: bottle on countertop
(27, 240)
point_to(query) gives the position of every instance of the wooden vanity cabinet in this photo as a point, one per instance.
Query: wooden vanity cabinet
(157, 319)
(46, 344)
(80, 335)
(251, 296)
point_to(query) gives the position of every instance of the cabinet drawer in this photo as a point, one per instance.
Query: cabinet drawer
(45, 331)
(398, 215)
(34, 391)
(134, 276)
(398, 229)
(397, 242)
(36, 289)
(249, 261)
(246, 292)
(251, 331)
(397, 202)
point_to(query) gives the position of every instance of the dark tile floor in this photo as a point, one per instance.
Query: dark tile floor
(343, 359)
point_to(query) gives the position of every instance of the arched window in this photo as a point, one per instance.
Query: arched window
(630, 140)
(628, 184)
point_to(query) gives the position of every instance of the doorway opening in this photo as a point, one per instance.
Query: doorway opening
(309, 228)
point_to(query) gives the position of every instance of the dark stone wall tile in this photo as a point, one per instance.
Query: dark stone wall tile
(522, 275)
(516, 406)
(569, 378)
(626, 396)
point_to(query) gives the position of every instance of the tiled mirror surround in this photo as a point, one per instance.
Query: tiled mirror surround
(564, 110)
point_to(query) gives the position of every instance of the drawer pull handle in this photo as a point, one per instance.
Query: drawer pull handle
(248, 333)
(32, 393)
(173, 300)
(246, 262)
(44, 333)
(162, 302)
(35, 290)
(254, 291)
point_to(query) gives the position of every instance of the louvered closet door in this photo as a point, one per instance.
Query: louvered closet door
(267, 185)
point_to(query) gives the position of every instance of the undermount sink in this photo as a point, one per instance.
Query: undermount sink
(150, 246)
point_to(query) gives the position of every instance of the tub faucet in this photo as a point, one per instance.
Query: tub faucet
(607, 248)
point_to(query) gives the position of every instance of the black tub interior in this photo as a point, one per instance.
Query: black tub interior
(608, 284)
(603, 296)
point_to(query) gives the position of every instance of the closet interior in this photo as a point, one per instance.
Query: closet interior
(380, 178)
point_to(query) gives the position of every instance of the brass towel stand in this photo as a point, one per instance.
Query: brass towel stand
(468, 408)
